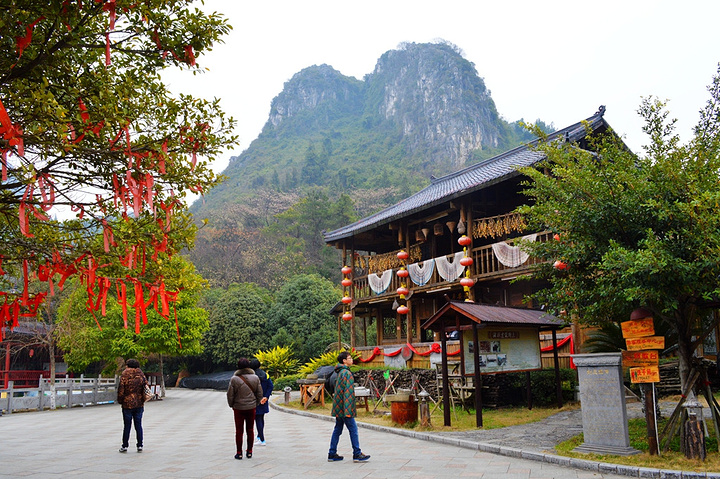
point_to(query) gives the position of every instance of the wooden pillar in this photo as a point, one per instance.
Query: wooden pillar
(444, 369)
(469, 233)
(379, 326)
(477, 378)
(558, 385)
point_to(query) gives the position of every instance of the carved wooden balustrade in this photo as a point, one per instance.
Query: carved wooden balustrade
(485, 265)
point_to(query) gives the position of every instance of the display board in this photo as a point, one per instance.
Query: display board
(503, 349)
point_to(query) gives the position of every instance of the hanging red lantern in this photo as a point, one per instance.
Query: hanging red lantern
(467, 282)
(402, 291)
(403, 309)
(464, 240)
(403, 255)
(560, 265)
(403, 273)
(346, 282)
(347, 316)
(346, 270)
(466, 261)
(346, 300)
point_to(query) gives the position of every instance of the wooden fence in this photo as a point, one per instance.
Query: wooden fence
(68, 392)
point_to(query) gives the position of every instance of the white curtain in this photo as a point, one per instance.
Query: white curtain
(380, 283)
(447, 270)
(512, 256)
(420, 275)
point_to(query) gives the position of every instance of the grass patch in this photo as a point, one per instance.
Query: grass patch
(671, 459)
(461, 420)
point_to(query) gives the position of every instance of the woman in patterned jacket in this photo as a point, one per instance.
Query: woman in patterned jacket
(131, 396)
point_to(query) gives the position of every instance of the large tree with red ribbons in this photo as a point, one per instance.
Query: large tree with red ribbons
(88, 127)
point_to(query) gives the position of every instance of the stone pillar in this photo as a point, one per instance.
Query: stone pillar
(602, 400)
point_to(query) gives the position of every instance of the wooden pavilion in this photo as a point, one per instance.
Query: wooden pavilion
(401, 262)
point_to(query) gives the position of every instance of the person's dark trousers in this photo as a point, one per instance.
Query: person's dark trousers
(352, 429)
(260, 426)
(248, 418)
(131, 416)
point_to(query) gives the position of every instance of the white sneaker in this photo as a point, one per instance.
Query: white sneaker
(262, 443)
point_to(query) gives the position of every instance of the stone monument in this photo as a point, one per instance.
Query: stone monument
(602, 400)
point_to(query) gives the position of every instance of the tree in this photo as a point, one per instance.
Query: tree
(177, 333)
(302, 309)
(634, 231)
(87, 126)
(237, 324)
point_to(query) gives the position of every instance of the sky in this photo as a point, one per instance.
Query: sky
(557, 61)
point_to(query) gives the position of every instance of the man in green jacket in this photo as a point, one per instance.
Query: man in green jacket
(344, 410)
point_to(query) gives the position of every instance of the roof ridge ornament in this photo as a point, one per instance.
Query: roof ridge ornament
(601, 111)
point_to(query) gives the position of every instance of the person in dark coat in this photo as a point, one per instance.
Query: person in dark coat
(263, 408)
(344, 410)
(243, 396)
(131, 397)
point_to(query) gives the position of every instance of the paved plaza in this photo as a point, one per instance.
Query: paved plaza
(190, 434)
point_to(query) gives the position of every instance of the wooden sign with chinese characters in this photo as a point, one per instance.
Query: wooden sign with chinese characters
(632, 359)
(651, 342)
(638, 329)
(646, 374)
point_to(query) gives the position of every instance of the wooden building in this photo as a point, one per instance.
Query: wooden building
(477, 201)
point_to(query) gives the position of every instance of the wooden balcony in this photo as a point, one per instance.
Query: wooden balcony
(485, 266)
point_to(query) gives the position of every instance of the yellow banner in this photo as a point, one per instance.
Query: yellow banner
(631, 359)
(651, 342)
(646, 374)
(638, 329)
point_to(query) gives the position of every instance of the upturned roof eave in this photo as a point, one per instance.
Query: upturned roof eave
(573, 133)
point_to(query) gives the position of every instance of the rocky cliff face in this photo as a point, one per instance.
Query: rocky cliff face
(429, 92)
(316, 90)
(438, 99)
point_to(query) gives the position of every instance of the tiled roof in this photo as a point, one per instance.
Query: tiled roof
(484, 313)
(462, 182)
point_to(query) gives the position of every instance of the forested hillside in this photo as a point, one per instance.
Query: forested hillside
(336, 148)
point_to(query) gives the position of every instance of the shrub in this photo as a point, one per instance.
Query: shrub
(290, 380)
(326, 359)
(278, 361)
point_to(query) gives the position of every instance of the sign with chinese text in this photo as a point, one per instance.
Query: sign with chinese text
(631, 359)
(503, 334)
(650, 342)
(502, 350)
(638, 329)
(645, 374)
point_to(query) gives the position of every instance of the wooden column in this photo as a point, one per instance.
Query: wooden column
(558, 385)
(444, 369)
(477, 377)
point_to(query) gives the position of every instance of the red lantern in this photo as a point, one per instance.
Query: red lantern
(467, 282)
(559, 265)
(466, 261)
(346, 270)
(402, 290)
(403, 309)
(347, 316)
(403, 273)
(403, 255)
(464, 240)
(346, 282)
(346, 300)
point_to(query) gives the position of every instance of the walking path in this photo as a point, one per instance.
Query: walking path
(190, 434)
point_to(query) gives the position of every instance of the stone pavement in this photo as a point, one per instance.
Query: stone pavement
(190, 434)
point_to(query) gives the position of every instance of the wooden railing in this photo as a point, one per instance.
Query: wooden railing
(485, 265)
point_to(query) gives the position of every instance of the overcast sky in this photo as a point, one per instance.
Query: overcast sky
(554, 60)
